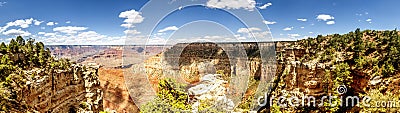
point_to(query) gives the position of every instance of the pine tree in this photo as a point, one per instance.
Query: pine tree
(20, 41)
(3, 48)
(358, 44)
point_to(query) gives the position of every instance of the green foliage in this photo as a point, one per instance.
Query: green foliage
(84, 105)
(104, 112)
(365, 54)
(170, 98)
(17, 56)
(276, 108)
(380, 102)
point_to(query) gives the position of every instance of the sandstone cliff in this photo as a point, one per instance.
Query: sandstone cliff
(74, 90)
(33, 81)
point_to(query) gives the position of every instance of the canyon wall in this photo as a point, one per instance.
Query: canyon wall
(74, 90)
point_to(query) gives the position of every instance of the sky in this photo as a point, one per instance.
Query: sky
(110, 22)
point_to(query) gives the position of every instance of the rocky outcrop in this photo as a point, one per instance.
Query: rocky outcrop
(212, 89)
(74, 90)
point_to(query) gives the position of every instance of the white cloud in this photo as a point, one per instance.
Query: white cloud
(287, 28)
(293, 35)
(302, 27)
(16, 32)
(248, 30)
(232, 4)
(23, 23)
(47, 34)
(37, 22)
(265, 6)
(69, 29)
(68, 22)
(268, 22)
(241, 38)
(330, 22)
(325, 17)
(311, 32)
(368, 20)
(156, 41)
(131, 17)
(91, 36)
(302, 19)
(170, 28)
(50, 34)
(41, 33)
(80, 38)
(51, 23)
(131, 32)
(251, 33)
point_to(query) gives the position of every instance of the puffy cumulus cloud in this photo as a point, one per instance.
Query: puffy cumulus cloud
(51, 23)
(68, 22)
(302, 19)
(41, 33)
(91, 36)
(248, 30)
(268, 22)
(23, 23)
(131, 17)
(330, 22)
(251, 33)
(265, 6)
(37, 22)
(287, 28)
(16, 32)
(170, 28)
(131, 32)
(80, 38)
(325, 17)
(69, 29)
(46, 34)
(50, 34)
(232, 4)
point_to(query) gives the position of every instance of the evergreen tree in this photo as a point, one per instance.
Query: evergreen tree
(358, 44)
(3, 48)
(20, 41)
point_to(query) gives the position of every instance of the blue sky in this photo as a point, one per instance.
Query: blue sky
(93, 22)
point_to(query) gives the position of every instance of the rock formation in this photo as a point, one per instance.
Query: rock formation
(211, 88)
(34, 81)
(74, 90)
